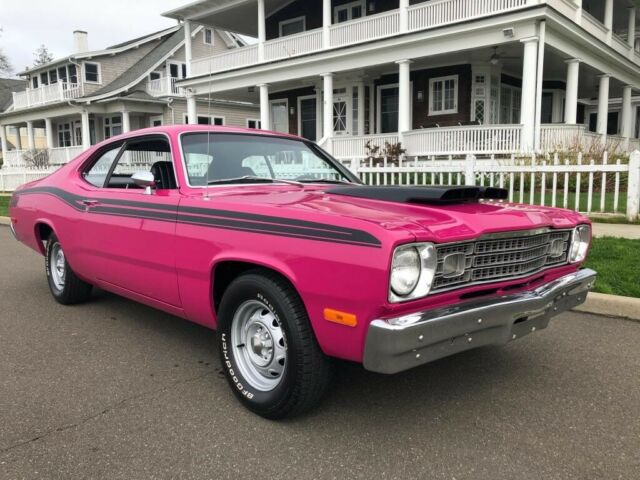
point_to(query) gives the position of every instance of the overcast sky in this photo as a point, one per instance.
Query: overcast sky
(27, 24)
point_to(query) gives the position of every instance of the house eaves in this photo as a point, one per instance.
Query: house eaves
(113, 50)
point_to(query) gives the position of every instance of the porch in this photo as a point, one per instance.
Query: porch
(46, 95)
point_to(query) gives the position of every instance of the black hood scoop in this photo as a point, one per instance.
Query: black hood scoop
(439, 195)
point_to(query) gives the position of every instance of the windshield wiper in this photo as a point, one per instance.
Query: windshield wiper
(253, 179)
(326, 180)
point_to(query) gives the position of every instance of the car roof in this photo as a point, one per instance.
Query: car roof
(174, 130)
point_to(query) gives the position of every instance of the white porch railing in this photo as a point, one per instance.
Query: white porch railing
(440, 12)
(238, 57)
(292, 45)
(345, 147)
(16, 159)
(63, 155)
(164, 87)
(366, 28)
(12, 158)
(57, 92)
(461, 140)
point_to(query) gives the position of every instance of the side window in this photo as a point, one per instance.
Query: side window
(145, 155)
(97, 173)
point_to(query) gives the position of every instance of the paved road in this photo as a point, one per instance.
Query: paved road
(112, 389)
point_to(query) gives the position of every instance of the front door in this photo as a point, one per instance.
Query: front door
(389, 106)
(130, 236)
(280, 116)
(308, 119)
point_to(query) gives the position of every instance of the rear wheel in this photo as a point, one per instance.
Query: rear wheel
(65, 286)
(268, 350)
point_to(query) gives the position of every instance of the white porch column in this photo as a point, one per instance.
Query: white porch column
(3, 142)
(318, 91)
(192, 108)
(265, 117)
(372, 109)
(86, 134)
(48, 130)
(608, 18)
(404, 16)
(626, 128)
(404, 96)
(188, 51)
(328, 107)
(31, 141)
(361, 106)
(126, 121)
(631, 38)
(528, 101)
(603, 106)
(326, 23)
(571, 101)
(262, 30)
(537, 129)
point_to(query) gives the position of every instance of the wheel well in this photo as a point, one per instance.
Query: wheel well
(43, 231)
(226, 272)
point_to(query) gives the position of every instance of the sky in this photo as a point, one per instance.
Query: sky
(27, 24)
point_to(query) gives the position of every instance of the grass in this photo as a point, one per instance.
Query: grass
(4, 206)
(617, 261)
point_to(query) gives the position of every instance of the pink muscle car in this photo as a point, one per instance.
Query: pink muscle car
(267, 239)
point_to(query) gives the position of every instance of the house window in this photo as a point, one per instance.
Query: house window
(53, 76)
(62, 74)
(253, 123)
(34, 82)
(207, 120)
(293, 26)
(91, 72)
(443, 95)
(280, 116)
(44, 78)
(207, 36)
(177, 70)
(307, 119)
(64, 134)
(112, 126)
(155, 76)
(73, 74)
(349, 11)
(388, 99)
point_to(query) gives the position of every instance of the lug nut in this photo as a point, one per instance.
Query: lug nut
(533, 329)
(420, 338)
(479, 320)
(514, 336)
(417, 356)
(470, 339)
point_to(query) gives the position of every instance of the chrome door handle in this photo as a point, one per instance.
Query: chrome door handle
(89, 202)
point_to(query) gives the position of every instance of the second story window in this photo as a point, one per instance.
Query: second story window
(44, 78)
(73, 74)
(349, 11)
(53, 76)
(62, 74)
(207, 36)
(91, 72)
(292, 26)
(443, 95)
(34, 82)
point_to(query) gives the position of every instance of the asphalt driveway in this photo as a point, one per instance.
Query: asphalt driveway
(112, 389)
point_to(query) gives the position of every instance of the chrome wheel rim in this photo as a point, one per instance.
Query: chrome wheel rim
(57, 266)
(259, 345)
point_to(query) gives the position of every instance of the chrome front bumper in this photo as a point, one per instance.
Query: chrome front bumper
(433, 334)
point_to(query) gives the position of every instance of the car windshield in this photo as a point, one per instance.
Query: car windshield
(227, 158)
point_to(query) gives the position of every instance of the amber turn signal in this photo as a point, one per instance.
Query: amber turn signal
(342, 318)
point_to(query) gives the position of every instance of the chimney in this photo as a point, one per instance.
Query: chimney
(80, 41)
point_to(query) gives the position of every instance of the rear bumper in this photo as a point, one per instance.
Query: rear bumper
(427, 336)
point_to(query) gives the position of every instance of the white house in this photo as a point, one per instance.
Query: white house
(88, 96)
(442, 76)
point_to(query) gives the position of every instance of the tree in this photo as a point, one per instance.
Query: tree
(42, 55)
(5, 64)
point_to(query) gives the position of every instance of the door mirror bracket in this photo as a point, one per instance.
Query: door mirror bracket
(145, 180)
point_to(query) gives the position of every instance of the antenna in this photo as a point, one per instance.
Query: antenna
(209, 136)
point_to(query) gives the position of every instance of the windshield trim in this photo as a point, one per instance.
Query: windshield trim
(313, 146)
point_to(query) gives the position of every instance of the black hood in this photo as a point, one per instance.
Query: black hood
(440, 195)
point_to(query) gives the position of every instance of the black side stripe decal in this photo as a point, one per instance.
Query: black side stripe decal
(215, 218)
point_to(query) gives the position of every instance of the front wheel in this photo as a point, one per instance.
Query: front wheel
(268, 350)
(64, 284)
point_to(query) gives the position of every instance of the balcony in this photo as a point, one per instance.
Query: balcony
(48, 94)
(419, 17)
(164, 87)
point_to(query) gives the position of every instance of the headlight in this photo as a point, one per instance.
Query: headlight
(412, 270)
(579, 243)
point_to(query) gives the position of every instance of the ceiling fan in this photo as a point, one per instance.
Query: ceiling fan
(497, 57)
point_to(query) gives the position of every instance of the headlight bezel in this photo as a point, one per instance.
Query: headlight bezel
(580, 244)
(428, 263)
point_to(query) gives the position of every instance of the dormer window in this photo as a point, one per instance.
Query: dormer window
(91, 72)
(207, 36)
(293, 26)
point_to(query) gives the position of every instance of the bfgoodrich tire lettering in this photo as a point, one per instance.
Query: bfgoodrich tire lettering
(295, 372)
(64, 284)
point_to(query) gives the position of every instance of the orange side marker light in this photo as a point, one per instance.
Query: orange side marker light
(342, 318)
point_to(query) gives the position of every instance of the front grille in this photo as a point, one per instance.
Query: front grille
(502, 257)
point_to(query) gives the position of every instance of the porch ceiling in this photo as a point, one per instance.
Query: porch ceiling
(239, 16)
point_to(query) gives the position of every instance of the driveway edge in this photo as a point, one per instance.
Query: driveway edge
(5, 221)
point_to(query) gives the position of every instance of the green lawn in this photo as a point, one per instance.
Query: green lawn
(617, 262)
(4, 205)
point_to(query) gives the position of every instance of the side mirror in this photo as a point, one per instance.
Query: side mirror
(145, 180)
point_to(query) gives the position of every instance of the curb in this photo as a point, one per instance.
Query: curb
(596, 303)
(611, 306)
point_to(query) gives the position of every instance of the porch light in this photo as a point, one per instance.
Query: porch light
(292, 111)
(420, 95)
(372, 6)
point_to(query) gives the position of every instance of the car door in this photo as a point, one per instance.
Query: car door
(129, 230)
